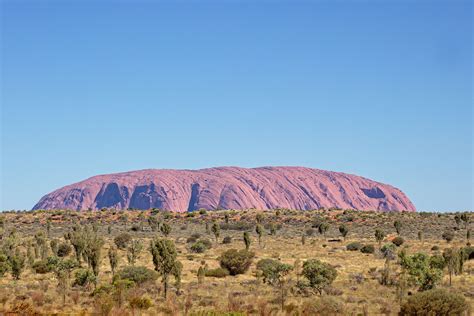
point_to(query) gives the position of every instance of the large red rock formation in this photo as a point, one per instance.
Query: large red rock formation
(228, 188)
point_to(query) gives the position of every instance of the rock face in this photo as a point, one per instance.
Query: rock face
(228, 188)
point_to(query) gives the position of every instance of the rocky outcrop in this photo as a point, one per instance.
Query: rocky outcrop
(228, 188)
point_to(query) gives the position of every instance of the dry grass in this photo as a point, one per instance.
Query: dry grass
(354, 287)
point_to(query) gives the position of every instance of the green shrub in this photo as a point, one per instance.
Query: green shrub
(240, 225)
(468, 252)
(236, 261)
(367, 249)
(217, 273)
(273, 271)
(437, 262)
(84, 277)
(193, 238)
(138, 274)
(354, 246)
(41, 267)
(4, 265)
(434, 302)
(398, 241)
(389, 250)
(122, 240)
(198, 247)
(64, 249)
(319, 274)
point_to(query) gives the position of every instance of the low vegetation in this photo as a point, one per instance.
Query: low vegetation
(228, 262)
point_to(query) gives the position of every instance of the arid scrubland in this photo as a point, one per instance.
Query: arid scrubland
(246, 262)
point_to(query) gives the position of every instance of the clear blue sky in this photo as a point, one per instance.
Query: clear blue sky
(382, 89)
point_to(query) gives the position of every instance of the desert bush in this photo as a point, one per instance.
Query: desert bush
(227, 240)
(367, 249)
(240, 225)
(468, 252)
(354, 246)
(41, 267)
(137, 302)
(419, 270)
(133, 251)
(137, 274)
(165, 229)
(343, 230)
(200, 246)
(84, 277)
(448, 236)
(193, 238)
(398, 241)
(438, 262)
(325, 305)
(319, 274)
(434, 302)
(388, 251)
(236, 261)
(122, 240)
(17, 264)
(64, 249)
(435, 248)
(4, 265)
(216, 273)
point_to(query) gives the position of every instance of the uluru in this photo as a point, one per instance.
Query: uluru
(228, 188)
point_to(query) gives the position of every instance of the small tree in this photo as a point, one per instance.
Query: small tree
(54, 246)
(133, 251)
(465, 219)
(420, 270)
(165, 260)
(303, 240)
(398, 226)
(420, 236)
(259, 230)
(113, 259)
(273, 229)
(379, 236)
(63, 271)
(343, 230)
(165, 229)
(201, 274)
(457, 219)
(247, 240)
(48, 227)
(274, 273)
(216, 230)
(77, 241)
(323, 228)
(93, 249)
(17, 264)
(451, 258)
(318, 274)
